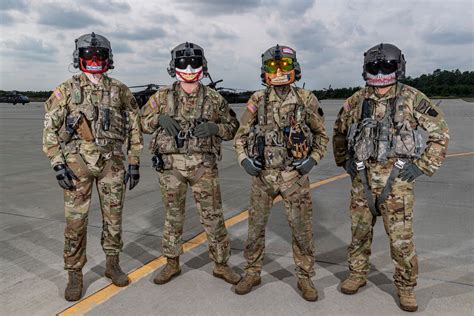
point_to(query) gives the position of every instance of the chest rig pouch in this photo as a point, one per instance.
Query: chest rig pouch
(185, 142)
(100, 113)
(392, 137)
(281, 134)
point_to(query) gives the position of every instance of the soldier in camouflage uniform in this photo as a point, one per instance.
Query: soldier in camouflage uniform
(189, 121)
(88, 119)
(377, 140)
(282, 136)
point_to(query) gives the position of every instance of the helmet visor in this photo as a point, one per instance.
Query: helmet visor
(183, 62)
(384, 66)
(89, 53)
(285, 64)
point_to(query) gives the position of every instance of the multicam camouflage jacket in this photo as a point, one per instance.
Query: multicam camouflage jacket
(273, 118)
(189, 110)
(410, 109)
(100, 116)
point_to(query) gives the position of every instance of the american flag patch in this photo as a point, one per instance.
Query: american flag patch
(153, 104)
(346, 106)
(58, 94)
(251, 107)
(288, 50)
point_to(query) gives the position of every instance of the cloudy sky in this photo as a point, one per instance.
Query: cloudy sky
(330, 36)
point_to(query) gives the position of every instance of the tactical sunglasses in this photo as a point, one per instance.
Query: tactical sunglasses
(285, 64)
(99, 53)
(183, 62)
(384, 66)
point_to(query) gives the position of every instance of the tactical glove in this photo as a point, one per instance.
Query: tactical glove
(252, 167)
(350, 167)
(64, 175)
(304, 166)
(133, 175)
(206, 129)
(410, 172)
(169, 124)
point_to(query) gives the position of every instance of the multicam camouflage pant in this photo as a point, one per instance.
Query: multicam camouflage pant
(299, 213)
(207, 194)
(397, 215)
(108, 174)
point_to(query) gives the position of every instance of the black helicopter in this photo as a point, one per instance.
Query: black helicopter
(14, 97)
(142, 96)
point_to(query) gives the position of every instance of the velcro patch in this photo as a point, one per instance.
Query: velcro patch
(58, 94)
(251, 107)
(423, 106)
(346, 107)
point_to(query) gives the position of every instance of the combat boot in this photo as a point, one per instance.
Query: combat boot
(170, 270)
(407, 300)
(309, 292)
(352, 284)
(223, 271)
(247, 283)
(114, 272)
(73, 290)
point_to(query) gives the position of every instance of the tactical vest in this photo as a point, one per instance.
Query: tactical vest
(391, 137)
(106, 118)
(186, 142)
(269, 138)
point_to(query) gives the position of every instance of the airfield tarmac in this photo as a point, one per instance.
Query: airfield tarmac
(32, 225)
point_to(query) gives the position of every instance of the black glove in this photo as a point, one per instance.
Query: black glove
(206, 129)
(169, 124)
(350, 167)
(133, 175)
(304, 166)
(252, 167)
(410, 172)
(64, 175)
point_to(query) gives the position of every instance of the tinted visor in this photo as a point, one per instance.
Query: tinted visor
(384, 66)
(99, 53)
(183, 62)
(285, 64)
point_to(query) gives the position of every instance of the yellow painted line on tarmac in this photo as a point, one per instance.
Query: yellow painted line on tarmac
(110, 290)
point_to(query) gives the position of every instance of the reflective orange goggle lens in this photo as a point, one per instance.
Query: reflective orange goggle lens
(272, 65)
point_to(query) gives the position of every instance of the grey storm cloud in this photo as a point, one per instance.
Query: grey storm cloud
(121, 48)
(458, 37)
(141, 34)
(218, 7)
(63, 17)
(28, 48)
(105, 6)
(18, 5)
(6, 19)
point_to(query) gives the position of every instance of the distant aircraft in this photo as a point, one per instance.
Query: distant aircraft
(142, 96)
(14, 97)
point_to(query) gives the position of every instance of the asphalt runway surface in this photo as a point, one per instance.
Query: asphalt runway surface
(32, 226)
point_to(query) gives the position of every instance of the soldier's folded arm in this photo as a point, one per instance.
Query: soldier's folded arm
(431, 118)
(316, 124)
(228, 122)
(55, 115)
(135, 143)
(149, 114)
(241, 137)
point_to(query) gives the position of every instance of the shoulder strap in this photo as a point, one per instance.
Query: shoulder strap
(262, 109)
(76, 90)
(171, 100)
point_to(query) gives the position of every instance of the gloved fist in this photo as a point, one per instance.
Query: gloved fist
(410, 172)
(133, 175)
(350, 167)
(304, 166)
(169, 124)
(206, 129)
(252, 167)
(64, 175)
